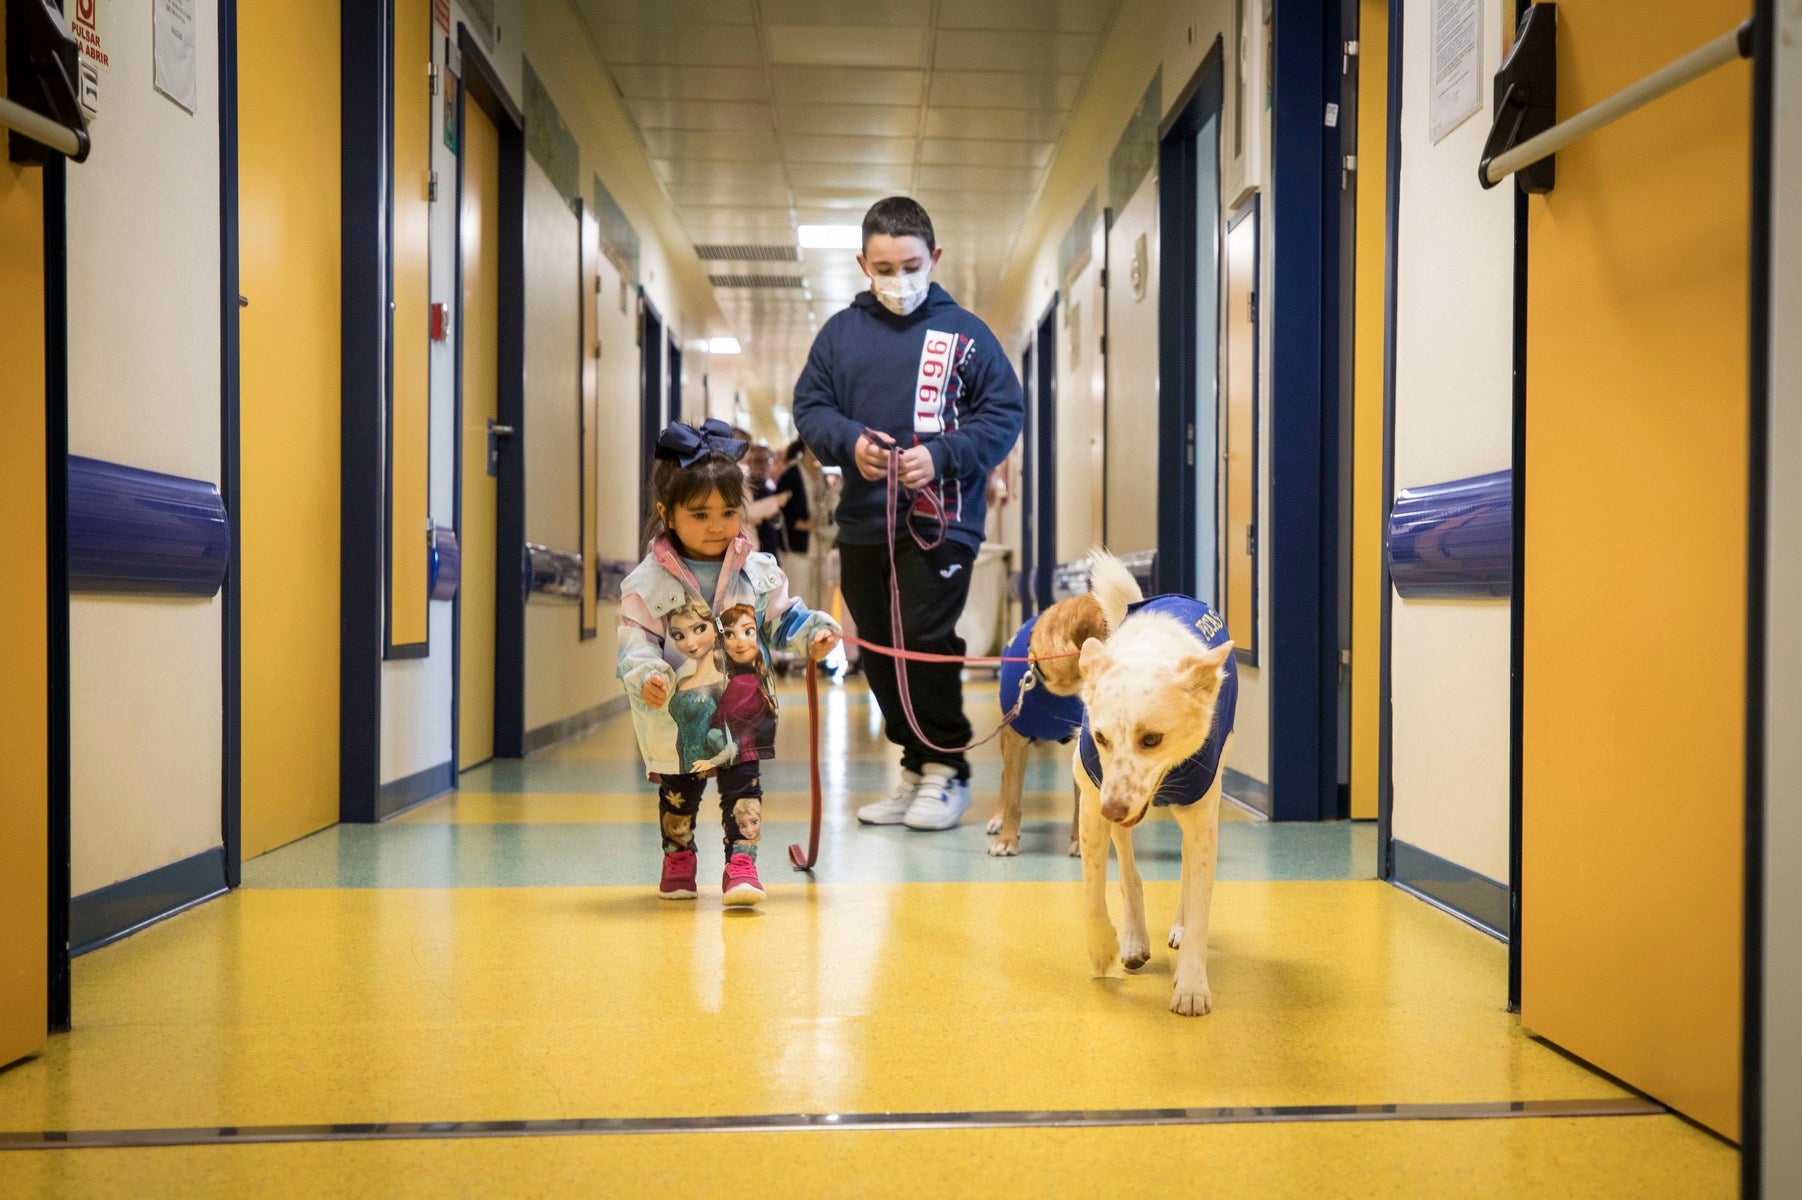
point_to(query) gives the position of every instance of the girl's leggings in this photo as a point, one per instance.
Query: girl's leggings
(741, 808)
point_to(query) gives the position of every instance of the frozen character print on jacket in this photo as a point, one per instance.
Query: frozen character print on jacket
(747, 707)
(701, 743)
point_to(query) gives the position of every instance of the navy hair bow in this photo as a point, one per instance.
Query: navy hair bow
(688, 445)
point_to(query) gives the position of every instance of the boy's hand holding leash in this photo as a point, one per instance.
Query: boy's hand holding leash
(916, 466)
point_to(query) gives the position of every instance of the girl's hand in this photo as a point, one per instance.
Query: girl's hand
(656, 691)
(824, 643)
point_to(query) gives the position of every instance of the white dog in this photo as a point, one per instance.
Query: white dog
(1160, 695)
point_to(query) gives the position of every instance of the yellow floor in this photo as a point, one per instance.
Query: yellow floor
(470, 981)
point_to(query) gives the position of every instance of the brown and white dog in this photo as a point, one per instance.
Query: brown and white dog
(1057, 637)
(1151, 690)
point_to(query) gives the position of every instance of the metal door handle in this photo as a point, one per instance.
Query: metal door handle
(499, 430)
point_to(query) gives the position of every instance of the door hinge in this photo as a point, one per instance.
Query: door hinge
(1345, 61)
(1103, 345)
(1348, 166)
(1104, 279)
(1191, 445)
(431, 186)
(432, 74)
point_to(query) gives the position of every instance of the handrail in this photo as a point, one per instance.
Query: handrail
(1692, 66)
(39, 128)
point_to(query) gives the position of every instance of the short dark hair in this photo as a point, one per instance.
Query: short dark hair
(898, 216)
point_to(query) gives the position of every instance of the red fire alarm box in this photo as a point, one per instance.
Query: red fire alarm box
(440, 321)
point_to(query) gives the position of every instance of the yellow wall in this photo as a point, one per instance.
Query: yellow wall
(24, 699)
(1635, 567)
(1368, 501)
(288, 148)
(409, 451)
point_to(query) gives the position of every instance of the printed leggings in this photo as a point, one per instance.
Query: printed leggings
(741, 808)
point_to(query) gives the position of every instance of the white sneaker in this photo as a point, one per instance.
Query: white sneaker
(892, 808)
(940, 800)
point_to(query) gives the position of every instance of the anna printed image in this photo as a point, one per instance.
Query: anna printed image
(747, 707)
(701, 743)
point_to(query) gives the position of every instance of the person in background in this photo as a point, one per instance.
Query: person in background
(803, 483)
(766, 516)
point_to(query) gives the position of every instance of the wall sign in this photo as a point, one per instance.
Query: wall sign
(1457, 65)
(176, 74)
(88, 23)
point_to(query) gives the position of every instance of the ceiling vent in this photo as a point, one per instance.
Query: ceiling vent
(747, 252)
(756, 281)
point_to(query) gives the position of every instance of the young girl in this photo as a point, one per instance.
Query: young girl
(671, 647)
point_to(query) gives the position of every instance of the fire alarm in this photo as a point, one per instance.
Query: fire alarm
(440, 321)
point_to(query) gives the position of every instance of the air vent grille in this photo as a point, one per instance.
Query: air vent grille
(747, 252)
(792, 282)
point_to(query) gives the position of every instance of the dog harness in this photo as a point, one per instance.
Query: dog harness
(1044, 716)
(1190, 779)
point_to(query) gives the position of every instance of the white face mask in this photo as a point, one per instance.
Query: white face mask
(901, 294)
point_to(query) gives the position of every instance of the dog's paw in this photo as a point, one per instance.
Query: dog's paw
(1176, 937)
(1197, 1003)
(1004, 847)
(994, 824)
(1104, 951)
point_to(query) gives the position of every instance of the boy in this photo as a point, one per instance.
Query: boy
(905, 368)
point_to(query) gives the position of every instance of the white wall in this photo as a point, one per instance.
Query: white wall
(1132, 373)
(1782, 950)
(146, 705)
(1453, 419)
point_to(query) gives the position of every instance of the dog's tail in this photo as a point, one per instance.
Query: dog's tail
(1113, 586)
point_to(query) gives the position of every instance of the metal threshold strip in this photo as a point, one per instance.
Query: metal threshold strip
(82, 1139)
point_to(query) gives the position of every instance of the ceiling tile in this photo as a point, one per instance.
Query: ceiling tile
(847, 46)
(985, 124)
(850, 120)
(996, 89)
(979, 179)
(738, 223)
(751, 173)
(868, 177)
(698, 45)
(840, 206)
(1068, 16)
(691, 83)
(848, 85)
(726, 191)
(701, 114)
(670, 12)
(801, 148)
(955, 152)
(984, 50)
(706, 145)
(837, 12)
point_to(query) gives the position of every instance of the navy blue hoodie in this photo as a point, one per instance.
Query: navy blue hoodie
(936, 377)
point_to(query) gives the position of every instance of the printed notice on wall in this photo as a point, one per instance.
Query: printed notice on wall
(1457, 65)
(175, 58)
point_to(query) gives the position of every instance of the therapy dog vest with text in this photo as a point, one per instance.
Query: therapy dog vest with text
(1190, 779)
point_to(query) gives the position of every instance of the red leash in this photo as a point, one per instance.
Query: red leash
(805, 862)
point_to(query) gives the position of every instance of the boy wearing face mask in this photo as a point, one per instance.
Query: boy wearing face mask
(904, 368)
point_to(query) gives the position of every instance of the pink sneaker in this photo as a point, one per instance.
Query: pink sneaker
(678, 876)
(740, 884)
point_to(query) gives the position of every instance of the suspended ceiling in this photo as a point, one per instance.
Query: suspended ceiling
(761, 115)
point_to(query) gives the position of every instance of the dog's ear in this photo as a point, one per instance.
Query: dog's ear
(1088, 622)
(1203, 672)
(1094, 657)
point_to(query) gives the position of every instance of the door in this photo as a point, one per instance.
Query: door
(289, 420)
(1130, 481)
(1081, 400)
(1239, 549)
(1635, 574)
(1044, 483)
(478, 236)
(652, 397)
(24, 588)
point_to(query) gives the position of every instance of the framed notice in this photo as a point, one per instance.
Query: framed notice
(1457, 65)
(174, 51)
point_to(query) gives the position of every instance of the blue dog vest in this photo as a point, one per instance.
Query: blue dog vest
(1046, 716)
(1190, 779)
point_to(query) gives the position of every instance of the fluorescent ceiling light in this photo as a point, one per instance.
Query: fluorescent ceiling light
(830, 237)
(722, 345)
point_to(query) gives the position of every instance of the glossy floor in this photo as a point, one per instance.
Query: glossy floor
(500, 955)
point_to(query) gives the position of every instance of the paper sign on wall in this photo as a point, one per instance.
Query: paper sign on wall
(1457, 65)
(174, 51)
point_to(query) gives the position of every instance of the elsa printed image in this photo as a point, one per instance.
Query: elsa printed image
(700, 744)
(747, 706)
